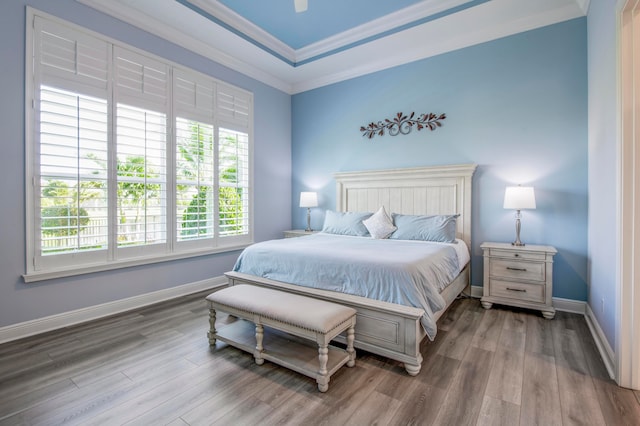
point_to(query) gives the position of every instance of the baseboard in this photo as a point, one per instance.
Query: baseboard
(53, 322)
(476, 291)
(602, 343)
(569, 305)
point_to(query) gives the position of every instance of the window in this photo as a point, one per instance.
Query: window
(130, 159)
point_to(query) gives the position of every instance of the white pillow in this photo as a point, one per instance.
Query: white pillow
(380, 225)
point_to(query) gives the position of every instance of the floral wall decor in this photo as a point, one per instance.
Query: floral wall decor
(402, 124)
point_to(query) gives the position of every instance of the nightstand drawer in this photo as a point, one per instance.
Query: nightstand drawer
(534, 271)
(518, 255)
(519, 291)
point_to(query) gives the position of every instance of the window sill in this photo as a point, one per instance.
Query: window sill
(35, 276)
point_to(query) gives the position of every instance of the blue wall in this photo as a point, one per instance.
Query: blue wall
(516, 106)
(20, 302)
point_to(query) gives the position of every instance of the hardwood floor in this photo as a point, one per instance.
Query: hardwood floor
(153, 366)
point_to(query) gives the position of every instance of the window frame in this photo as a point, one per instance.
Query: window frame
(39, 267)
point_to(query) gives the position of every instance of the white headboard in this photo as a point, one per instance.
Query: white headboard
(422, 190)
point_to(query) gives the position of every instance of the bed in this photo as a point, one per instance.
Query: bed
(391, 329)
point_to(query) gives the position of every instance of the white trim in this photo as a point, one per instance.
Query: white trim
(478, 24)
(388, 22)
(66, 319)
(127, 263)
(246, 27)
(627, 329)
(584, 5)
(569, 305)
(608, 357)
(494, 28)
(477, 291)
(161, 29)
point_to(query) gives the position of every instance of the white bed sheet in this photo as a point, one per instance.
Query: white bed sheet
(411, 273)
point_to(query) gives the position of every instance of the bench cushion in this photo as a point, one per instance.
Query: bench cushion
(304, 312)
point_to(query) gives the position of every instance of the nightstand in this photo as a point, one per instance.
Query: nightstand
(518, 276)
(293, 233)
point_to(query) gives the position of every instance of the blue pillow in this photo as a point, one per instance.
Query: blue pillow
(438, 228)
(346, 223)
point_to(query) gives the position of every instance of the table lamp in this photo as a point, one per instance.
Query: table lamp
(308, 200)
(519, 198)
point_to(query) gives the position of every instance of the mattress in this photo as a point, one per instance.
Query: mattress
(410, 273)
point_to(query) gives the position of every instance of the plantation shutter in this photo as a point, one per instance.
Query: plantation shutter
(71, 140)
(130, 159)
(69, 59)
(141, 97)
(234, 107)
(195, 158)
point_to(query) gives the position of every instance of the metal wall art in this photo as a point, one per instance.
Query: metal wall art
(402, 124)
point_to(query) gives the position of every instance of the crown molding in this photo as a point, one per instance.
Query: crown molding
(494, 27)
(378, 26)
(584, 5)
(161, 29)
(474, 25)
(243, 25)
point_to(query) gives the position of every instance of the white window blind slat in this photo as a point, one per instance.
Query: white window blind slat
(194, 96)
(70, 55)
(233, 106)
(142, 77)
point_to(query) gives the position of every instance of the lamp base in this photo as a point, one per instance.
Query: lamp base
(517, 242)
(308, 220)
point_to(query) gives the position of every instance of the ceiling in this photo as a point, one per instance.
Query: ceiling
(333, 40)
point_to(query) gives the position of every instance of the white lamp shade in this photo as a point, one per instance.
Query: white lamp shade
(308, 199)
(519, 198)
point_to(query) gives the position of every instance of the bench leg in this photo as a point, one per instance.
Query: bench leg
(352, 352)
(259, 348)
(212, 327)
(323, 357)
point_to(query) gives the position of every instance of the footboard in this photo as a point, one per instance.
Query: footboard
(383, 328)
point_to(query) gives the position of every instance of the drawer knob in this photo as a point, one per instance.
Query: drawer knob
(520, 290)
(516, 269)
(516, 255)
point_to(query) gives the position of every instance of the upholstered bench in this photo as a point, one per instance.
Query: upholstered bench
(281, 313)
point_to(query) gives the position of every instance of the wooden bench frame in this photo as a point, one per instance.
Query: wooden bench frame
(292, 354)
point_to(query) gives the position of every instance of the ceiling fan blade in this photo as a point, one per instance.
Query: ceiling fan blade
(300, 5)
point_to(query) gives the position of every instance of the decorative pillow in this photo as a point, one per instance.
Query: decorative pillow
(379, 224)
(439, 228)
(345, 223)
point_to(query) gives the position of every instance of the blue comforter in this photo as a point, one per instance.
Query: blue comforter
(409, 273)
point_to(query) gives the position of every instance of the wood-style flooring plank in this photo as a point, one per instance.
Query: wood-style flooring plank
(578, 398)
(489, 329)
(459, 336)
(619, 406)
(468, 386)
(420, 405)
(540, 394)
(539, 338)
(506, 377)
(496, 412)
(378, 408)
